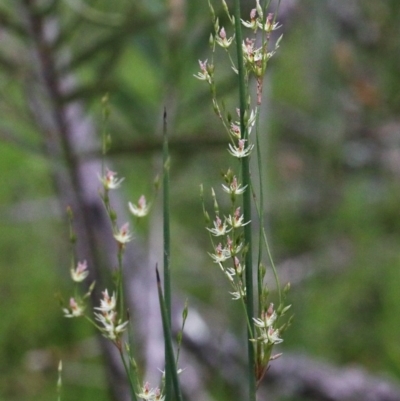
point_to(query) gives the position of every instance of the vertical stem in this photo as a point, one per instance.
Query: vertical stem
(130, 378)
(167, 275)
(169, 352)
(246, 210)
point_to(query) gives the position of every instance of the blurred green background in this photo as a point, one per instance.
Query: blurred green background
(331, 157)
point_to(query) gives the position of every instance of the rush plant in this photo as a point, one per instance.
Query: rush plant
(231, 234)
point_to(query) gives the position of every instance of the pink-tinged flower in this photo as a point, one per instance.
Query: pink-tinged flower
(108, 303)
(238, 267)
(123, 235)
(80, 272)
(271, 336)
(248, 50)
(219, 229)
(240, 150)
(236, 220)
(158, 395)
(234, 130)
(234, 188)
(237, 270)
(269, 24)
(111, 328)
(267, 319)
(74, 310)
(204, 74)
(110, 180)
(222, 40)
(141, 209)
(252, 24)
(233, 248)
(147, 393)
(221, 254)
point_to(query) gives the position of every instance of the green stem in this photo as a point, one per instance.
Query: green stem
(170, 365)
(167, 273)
(260, 217)
(246, 209)
(120, 287)
(127, 370)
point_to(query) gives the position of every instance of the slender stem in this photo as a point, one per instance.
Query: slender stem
(167, 273)
(130, 379)
(120, 286)
(269, 253)
(260, 217)
(246, 208)
(171, 365)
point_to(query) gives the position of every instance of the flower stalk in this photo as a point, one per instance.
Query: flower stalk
(233, 249)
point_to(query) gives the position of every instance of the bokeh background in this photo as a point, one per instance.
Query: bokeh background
(331, 159)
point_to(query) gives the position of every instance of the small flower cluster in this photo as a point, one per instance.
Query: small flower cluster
(106, 316)
(255, 60)
(74, 309)
(235, 126)
(111, 327)
(257, 20)
(111, 182)
(267, 335)
(77, 305)
(228, 252)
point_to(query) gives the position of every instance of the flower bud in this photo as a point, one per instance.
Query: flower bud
(286, 289)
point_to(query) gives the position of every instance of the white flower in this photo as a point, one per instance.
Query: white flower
(120, 328)
(219, 228)
(236, 220)
(106, 319)
(74, 310)
(108, 303)
(110, 180)
(147, 392)
(271, 335)
(230, 273)
(142, 208)
(240, 151)
(158, 395)
(234, 188)
(236, 295)
(233, 248)
(221, 254)
(79, 273)
(267, 320)
(203, 75)
(222, 40)
(269, 24)
(110, 329)
(252, 24)
(123, 235)
(238, 267)
(251, 121)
